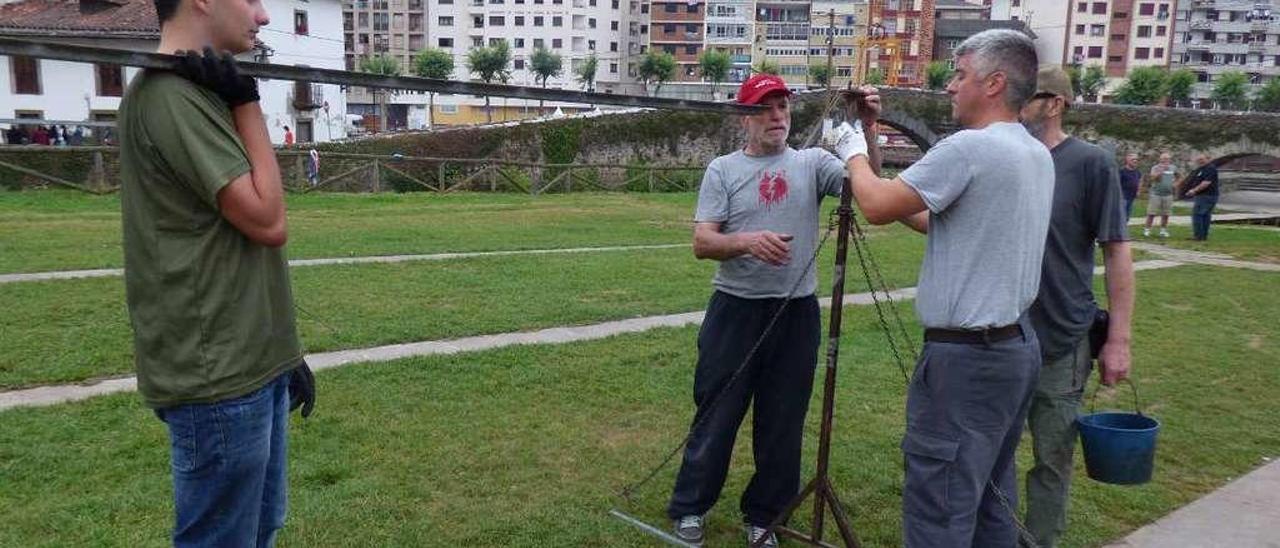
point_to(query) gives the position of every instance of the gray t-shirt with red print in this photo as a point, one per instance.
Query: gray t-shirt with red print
(780, 193)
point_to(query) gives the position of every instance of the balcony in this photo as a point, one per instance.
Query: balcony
(1229, 48)
(741, 59)
(306, 96)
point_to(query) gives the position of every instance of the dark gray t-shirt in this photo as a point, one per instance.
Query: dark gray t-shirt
(780, 193)
(989, 192)
(1087, 207)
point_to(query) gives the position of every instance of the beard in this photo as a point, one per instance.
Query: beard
(1035, 127)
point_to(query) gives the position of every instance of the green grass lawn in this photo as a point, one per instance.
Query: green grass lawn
(526, 446)
(66, 230)
(73, 330)
(1250, 243)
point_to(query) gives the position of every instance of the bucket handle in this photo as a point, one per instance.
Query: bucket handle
(1137, 406)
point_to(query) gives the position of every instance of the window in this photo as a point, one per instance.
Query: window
(300, 22)
(538, 20)
(1078, 52)
(1099, 8)
(1146, 9)
(615, 4)
(691, 50)
(477, 21)
(557, 21)
(613, 46)
(445, 42)
(110, 80)
(1080, 30)
(591, 23)
(1120, 15)
(557, 43)
(497, 21)
(518, 64)
(493, 42)
(26, 75)
(448, 109)
(1142, 53)
(669, 8)
(1095, 52)
(1097, 30)
(691, 28)
(592, 3)
(519, 22)
(519, 42)
(1117, 37)
(1144, 31)
(477, 41)
(669, 49)
(613, 68)
(691, 7)
(668, 28)
(1162, 30)
(363, 20)
(591, 45)
(613, 25)
(444, 21)
(1082, 7)
(1159, 53)
(644, 8)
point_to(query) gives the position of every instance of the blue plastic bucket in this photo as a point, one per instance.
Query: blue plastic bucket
(1119, 448)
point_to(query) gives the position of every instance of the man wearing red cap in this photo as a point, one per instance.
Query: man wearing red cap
(757, 215)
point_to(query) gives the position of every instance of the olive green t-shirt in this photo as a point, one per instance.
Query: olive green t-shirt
(212, 311)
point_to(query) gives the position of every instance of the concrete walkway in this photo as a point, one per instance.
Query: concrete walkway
(113, 272)
(1203, 257)
(1243, 514)
(56, 394)
(1185, 220)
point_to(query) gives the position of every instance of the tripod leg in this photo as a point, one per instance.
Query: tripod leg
(842, 519)
(791, 507)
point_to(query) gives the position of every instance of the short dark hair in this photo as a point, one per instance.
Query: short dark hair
(166, 9)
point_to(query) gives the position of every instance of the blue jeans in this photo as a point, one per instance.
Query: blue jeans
(1201, 215)
(1128, 209)
(228, 461)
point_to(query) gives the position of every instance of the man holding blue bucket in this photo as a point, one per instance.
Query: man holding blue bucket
(1087, 208)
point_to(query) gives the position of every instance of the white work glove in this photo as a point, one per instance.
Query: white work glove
(846, 141)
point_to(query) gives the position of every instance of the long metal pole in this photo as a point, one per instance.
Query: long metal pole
(85, 54)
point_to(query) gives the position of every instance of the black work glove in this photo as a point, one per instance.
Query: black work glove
(218, 73)
(302, 389)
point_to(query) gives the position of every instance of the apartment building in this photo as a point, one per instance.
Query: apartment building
(678, 27)
(573, 29)
(303, 33)
(841, 24)
(1214, 37)
(912, 22)
(731, 29)
(1045, 19)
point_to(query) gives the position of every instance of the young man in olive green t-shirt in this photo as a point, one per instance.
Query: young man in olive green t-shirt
(207, 284)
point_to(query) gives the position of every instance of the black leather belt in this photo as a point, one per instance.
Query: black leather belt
(974, 336)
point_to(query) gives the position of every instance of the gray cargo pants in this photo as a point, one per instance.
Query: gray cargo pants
(1052, 420)
(965, 408)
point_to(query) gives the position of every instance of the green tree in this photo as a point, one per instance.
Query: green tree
(936, 75)
(820, 73)
(714, 66)
(432, 63)
(384, 65)
(1145, 86)
(544, 65)
(587, 72)
(1073, 72)
(1178, 86)
(766, 66)
(875, 77)
(1268, 96)
(1231, 90)
(490, 63)
(1091, 82)
(656, 66)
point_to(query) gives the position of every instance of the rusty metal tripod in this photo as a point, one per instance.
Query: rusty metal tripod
(820, 487)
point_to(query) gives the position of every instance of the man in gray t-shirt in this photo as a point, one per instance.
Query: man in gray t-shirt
(983, 196)
(1087, 208)
(758, 216)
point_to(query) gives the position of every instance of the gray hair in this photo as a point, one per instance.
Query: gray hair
(1007, 51)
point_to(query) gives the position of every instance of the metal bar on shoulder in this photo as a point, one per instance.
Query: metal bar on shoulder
(86, 54)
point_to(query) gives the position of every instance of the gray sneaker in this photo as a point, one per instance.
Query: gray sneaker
(754, 533)
(689, 529)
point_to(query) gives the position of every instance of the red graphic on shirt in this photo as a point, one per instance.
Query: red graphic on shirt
(773, 189)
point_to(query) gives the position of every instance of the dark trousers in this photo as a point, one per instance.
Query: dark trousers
(1201, 215)
(965, 409)
(778, 380)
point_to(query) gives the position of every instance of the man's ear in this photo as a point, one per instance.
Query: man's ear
(996, 82)
(203, 7)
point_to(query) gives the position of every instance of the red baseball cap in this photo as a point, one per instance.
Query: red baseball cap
(756, 88)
